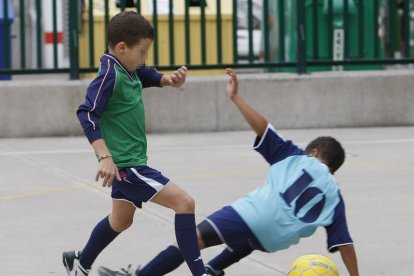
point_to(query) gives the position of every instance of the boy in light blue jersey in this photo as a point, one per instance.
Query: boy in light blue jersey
(113, 120)
(299, 195)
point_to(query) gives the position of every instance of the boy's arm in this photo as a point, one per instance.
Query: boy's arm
(349, 258)
(150, 77)
(106, 168)
(176, 79)
(255, 120)
(89, 112)
(340, 239)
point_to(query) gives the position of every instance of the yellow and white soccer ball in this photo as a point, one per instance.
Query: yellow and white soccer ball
(313, 265)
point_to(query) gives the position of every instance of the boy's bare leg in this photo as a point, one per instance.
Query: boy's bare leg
(107, 230)
(122, 215)
(175, 198)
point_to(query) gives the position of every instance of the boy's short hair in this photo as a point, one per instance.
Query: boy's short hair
(128, 27)
(331, 151)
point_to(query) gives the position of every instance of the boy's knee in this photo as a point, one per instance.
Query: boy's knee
(123, 225)
(120, 225)
(186, 205)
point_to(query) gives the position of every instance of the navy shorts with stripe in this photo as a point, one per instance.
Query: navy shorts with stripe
(138, 185)
(232, 229)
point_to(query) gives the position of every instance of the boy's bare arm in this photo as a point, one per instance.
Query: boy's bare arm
(349, 258)
(106, 168)
(255, 119)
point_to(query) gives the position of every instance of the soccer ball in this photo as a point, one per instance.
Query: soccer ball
(313, 265)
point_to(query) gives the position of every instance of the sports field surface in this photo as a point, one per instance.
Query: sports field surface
(49, 201)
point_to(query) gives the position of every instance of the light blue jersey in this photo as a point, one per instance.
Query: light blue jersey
(299, 195)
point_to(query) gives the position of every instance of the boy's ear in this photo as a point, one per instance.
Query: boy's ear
(315, 153)
(120, 47)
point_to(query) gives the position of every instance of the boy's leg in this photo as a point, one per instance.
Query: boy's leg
(171, 258)
(106, 231)
(165, 262)
(229, 256)
(100, 237)
(226, 225)
(174, 197)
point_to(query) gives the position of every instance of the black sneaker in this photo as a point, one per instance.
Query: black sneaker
(71, 263)
(211, 271)
(103, 271)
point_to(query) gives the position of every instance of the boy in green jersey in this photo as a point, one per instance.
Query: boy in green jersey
(113, 120)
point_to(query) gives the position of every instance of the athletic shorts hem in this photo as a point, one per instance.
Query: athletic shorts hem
(122, 199)
(159, 191)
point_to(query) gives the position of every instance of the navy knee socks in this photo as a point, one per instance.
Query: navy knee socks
(165, 262)
(172, 257)
(185, 232)
(101, 236)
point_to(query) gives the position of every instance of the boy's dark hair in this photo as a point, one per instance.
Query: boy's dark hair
(330, 150)
(128, 27)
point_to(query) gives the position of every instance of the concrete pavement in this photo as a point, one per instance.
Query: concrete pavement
(49, 202)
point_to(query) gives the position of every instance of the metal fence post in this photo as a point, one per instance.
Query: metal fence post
(301, 37)
(39, 34)
(155, 25)
(6, 34)
(406, 28)
(74, 40)
(235, 23)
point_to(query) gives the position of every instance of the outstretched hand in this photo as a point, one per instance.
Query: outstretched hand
(232, 83)
(177, 78)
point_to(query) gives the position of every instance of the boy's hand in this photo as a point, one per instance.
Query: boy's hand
(108, 171)
(232, 83)
(176, 79)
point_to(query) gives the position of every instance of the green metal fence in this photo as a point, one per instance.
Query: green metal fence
(295, 35)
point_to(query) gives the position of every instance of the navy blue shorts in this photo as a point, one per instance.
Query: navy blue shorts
(138, 185)
(232, 229)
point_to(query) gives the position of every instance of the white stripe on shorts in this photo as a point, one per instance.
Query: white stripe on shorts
(154, 184)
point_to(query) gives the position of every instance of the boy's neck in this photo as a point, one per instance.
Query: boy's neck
(113, 53)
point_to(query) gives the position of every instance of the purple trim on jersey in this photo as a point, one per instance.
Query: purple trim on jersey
(101, 89)
(275, 148)
(97, 97)
(338, 231)
(114, 59)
